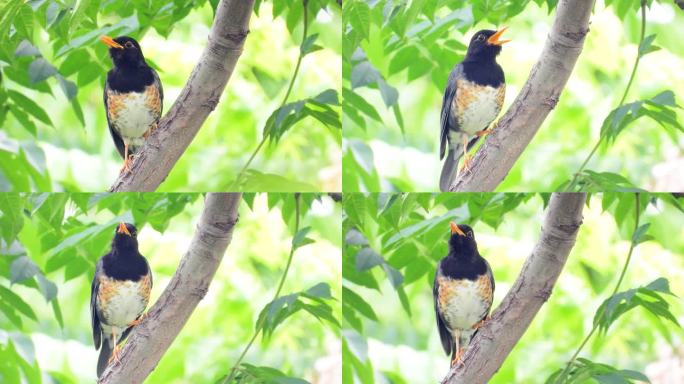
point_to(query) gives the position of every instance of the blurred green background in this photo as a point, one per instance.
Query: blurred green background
(394, 338)
(396, 66)
(80, 156)
(65, 243)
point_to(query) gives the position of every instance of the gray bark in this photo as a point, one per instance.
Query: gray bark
(495, 340)
(150, 339)
(538, 97)
(199, 97)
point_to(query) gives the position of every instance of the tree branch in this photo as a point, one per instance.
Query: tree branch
(495, 340)
(149, 340)
(199, 97)
(538, 97)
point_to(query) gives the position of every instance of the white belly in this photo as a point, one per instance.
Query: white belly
(481, 111)
(134, 119)
(465, 307)
(125, 306)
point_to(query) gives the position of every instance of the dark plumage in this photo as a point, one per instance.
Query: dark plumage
(472, 99)
(133, 96)
(119, 293)
(463, 292)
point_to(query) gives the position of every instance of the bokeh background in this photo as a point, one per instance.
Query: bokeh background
(391, 143)
(224, 320)
(76, 155)
(395, 340)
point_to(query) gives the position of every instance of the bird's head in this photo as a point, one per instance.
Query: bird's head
(462, 240)
(126, 236)
(125, 51)
(486, 44)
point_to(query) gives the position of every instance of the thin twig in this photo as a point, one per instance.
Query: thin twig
(566, 371)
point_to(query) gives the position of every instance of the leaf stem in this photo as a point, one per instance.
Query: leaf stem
(602, 312)
(268, 127)
(575, 178)
(260, 324)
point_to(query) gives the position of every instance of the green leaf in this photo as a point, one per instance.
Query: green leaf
(367, 258)
(355, 301)
(22, 268)
(40, 70)
(30, 106)
(17, 303)
(12, 219)
(308, 45)
(300, 239)
(358, 16)
(353, 100)
(260, 182)
(363, 74)
(647, 46)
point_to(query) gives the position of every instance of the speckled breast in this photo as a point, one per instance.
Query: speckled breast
(464, 303)
(133, 113)
(121, 302)
(476, 106)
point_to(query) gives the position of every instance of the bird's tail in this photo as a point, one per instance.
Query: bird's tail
(105, 354)
(449, 169)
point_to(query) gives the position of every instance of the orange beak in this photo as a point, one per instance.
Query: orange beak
(110, 42)
(455, 229)
(494, 39)
(122, 229)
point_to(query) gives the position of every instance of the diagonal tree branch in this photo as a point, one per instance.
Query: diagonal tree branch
(495, 340)
(538, 97)
(199, 97)
(150, 340)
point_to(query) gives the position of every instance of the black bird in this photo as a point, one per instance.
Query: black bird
(133, 97)
(463, 292)
(472, 99)
(119, 294)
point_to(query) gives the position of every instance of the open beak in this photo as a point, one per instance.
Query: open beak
(110, 42)
(456, 229)
(122, 229)
(494, 39)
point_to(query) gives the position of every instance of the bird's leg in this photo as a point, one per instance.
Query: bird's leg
(137, 321)
(483, 132)
(127, 160)
(459, 352)
(115, 351)
(466, 156)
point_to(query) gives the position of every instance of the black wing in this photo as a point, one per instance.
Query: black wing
(97, 330)
(444, 333)
(445, 116)
(118, 141)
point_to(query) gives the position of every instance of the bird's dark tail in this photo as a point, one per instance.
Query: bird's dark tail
(103, 360)
(451, 162)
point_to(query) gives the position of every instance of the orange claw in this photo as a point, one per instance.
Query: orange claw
(137, 321)
(458, 358)
(483, 132)
(115, 355)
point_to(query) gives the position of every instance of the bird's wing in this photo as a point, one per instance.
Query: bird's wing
(118, 141)
(449, 94)
(97, 329)
(444, 333)
(490, 275)
(158, 84)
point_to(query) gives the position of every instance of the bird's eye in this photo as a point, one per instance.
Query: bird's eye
(470, 234)
(129, 45)
(480, 38)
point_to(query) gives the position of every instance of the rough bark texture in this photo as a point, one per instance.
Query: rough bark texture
(199, 97)
(538, 97)
(495, 340)
(149, 340)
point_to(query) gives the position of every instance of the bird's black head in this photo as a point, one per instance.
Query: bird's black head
(125, 51)
(126, 237)
(485, 44)
(462, 240)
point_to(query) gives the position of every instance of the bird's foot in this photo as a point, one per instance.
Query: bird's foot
(466, 164)
(482, 322)
(137, 321)
(126, 168)
(483, 132)
(115, 355)
(458, 358)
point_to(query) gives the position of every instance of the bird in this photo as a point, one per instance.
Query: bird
(472, 99)
(119, 294)
(133, 97)
(463, 291)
